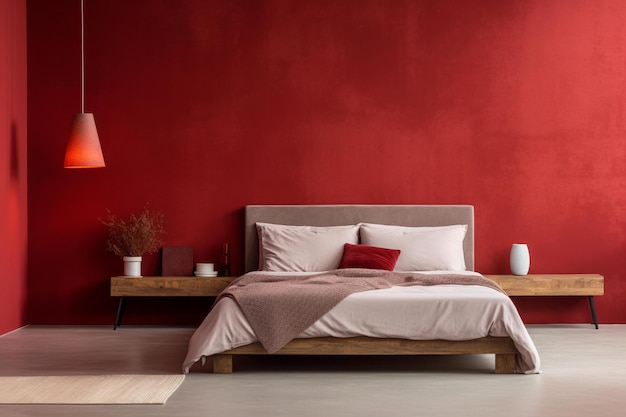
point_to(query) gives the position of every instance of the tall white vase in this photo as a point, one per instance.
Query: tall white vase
(132, 266)
(520, 259)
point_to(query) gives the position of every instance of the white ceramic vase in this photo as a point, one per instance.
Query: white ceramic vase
(520, 259)
(132, 266)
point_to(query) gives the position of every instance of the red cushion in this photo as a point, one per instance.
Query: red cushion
(370, 257)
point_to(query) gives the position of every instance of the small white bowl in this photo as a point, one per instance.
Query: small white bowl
(205, 274)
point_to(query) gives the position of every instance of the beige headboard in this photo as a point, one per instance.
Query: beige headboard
(337, 215)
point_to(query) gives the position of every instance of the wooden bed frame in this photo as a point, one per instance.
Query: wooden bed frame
(335, 215)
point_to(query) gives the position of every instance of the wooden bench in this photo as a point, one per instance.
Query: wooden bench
(588, 285)
(164, 287)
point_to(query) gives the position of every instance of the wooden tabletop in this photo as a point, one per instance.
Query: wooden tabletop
(168, 286)
(550, 284)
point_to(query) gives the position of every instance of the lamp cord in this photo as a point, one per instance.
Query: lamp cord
(82, 58)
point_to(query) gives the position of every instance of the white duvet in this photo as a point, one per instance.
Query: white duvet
(448, 312)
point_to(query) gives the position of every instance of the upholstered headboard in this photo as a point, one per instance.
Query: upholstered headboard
(337, 215)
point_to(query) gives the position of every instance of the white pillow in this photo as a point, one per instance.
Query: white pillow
(422, 248)
(303, 248)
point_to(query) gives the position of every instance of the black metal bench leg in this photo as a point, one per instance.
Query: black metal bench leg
(592, 307)
(120, 311)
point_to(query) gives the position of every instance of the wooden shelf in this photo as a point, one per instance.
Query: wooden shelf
(588, 285)
(168, 286)
(164, 287)
(550, 284)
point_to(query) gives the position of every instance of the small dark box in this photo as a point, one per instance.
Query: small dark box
(177, 261)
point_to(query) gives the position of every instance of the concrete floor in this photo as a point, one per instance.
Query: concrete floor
(584, 373)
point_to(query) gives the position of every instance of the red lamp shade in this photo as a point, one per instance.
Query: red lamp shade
(83, 149)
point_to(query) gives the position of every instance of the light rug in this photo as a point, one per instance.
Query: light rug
(88, 389)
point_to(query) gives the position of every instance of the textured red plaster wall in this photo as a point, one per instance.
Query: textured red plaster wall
(203, 107)
(13, 181)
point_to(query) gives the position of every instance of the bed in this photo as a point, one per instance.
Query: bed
(478, 319)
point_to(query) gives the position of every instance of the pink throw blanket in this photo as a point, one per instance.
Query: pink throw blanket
(279, 308)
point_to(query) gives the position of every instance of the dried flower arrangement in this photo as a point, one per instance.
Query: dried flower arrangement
(135, 236)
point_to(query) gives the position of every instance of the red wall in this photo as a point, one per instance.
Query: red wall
(202, 107)
(13, 181)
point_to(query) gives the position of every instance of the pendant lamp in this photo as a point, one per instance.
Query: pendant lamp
(83, 149)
